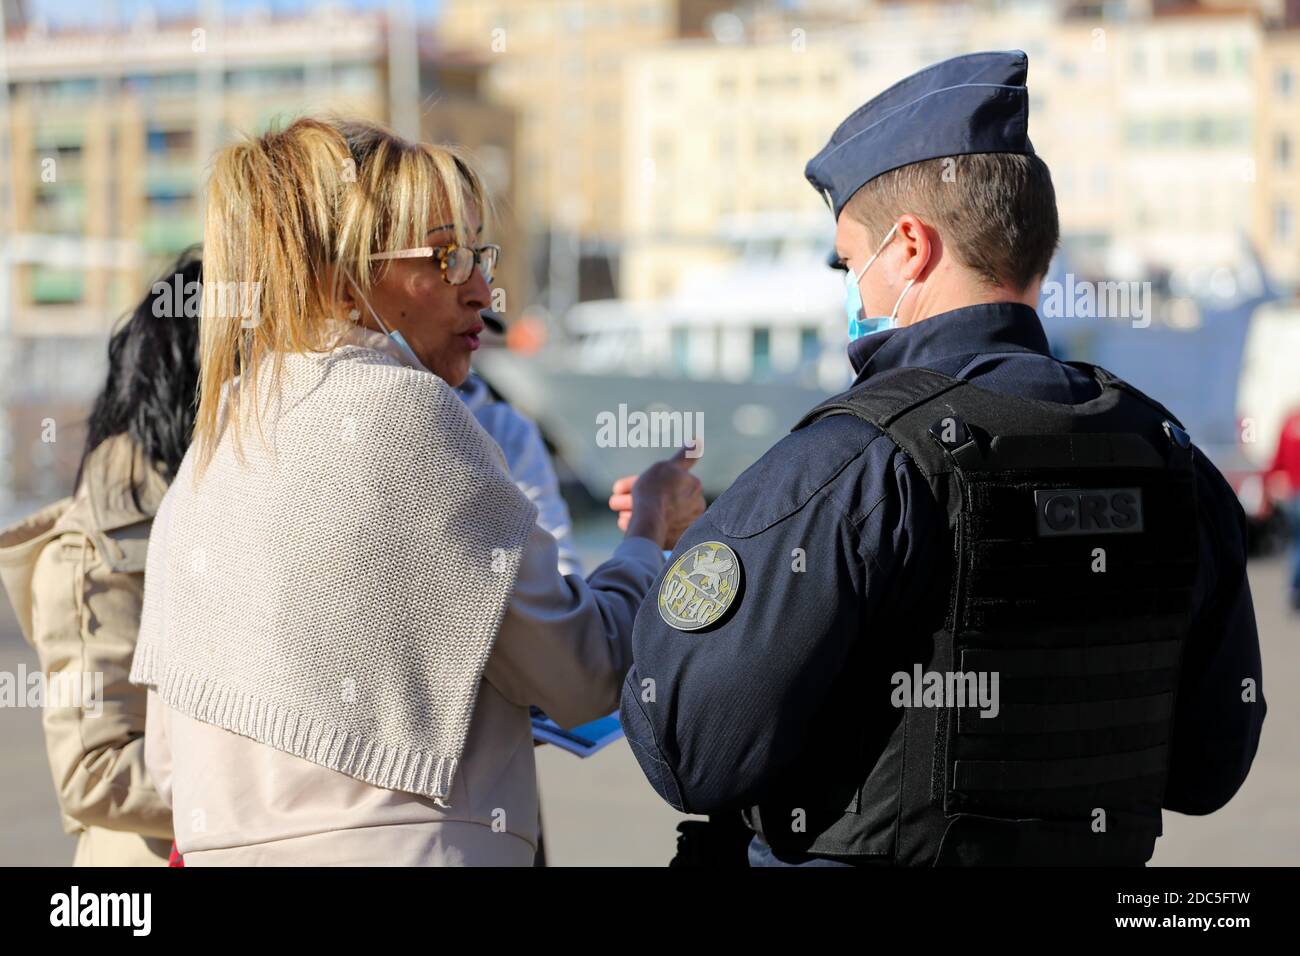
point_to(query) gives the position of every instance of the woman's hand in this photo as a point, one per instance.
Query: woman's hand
(661, 502)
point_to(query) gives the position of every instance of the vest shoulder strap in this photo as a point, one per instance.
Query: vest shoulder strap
(928, 414)
(886, 398)
(1108, 378)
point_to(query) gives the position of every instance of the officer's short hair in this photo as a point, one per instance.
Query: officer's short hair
(996, 212)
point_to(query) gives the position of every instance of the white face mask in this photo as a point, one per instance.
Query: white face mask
(858, 325)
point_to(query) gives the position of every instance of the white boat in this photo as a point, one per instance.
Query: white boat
(743, 349)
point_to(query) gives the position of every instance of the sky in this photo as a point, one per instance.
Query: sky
(72, 13)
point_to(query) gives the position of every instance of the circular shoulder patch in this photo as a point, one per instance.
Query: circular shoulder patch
(700, 586)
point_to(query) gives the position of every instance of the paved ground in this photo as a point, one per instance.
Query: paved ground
(601, 812)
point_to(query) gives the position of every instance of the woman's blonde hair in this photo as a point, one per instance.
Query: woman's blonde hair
(290, 216)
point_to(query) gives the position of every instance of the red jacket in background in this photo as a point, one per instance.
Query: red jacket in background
(1287, 459)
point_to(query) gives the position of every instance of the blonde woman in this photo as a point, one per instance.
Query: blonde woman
(349, 605)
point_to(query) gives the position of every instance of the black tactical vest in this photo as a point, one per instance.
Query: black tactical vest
(1074, 540)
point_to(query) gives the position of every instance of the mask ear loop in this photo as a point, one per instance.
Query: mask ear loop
(893, 316)
(396, 337)
(369, 308)
(876, 255)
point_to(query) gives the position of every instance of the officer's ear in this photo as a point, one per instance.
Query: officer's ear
(919, 246)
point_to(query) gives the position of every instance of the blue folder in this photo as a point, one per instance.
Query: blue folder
(583, 740)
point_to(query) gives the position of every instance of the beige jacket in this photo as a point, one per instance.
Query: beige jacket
(74, 572)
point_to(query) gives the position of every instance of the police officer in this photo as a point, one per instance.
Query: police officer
(985, 606)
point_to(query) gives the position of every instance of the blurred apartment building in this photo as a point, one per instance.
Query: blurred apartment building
(657, 133)
(1276, 212)
(108, 136)
(1171, 129)
(561, 65)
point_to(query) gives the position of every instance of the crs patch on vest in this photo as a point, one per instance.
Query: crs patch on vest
(1064, 511)
(700, 586)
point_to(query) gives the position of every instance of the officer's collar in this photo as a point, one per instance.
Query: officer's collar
(968, 331)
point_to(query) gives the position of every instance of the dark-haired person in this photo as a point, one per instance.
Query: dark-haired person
(983, 607)
(74, 572)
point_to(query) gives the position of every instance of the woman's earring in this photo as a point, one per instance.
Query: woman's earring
(355, 315)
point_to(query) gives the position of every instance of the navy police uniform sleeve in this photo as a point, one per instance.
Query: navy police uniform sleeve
(831, 530)
(1217, 719)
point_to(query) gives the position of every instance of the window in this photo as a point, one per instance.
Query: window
(75, 88)
(1283, 223)
(762, 352)
(810, 346)
(356, 77)
(169, 231)
(165, 141)
(262, 79)
(1282, 150)
(681, 350)
(1167, 132)
(60, 210)
(56, 286)
(1284, 81)
(168, 201)
(162, 84)
(1205, 60)
(1234, 130)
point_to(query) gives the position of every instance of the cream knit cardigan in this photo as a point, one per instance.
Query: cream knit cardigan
(336, 595)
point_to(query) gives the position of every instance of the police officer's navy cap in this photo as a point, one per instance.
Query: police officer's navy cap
(970, 104)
